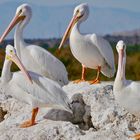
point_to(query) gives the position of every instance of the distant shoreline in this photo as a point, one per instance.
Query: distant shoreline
(129, 40)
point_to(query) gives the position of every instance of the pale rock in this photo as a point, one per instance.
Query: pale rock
(96, 116)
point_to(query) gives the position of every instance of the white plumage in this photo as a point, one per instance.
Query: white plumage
(108, 66)
(34, 57)
(90, 50)
(43, 92)
(127, 92)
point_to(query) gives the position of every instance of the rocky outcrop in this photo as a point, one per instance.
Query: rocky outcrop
(96, 115)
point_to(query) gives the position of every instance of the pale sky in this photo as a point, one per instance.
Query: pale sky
(118, 15)
(133, 5)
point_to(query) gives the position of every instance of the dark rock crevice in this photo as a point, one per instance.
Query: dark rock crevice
(2, 114)
(81, 113)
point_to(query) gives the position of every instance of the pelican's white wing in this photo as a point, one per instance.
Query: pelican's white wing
(129, 96)
(106, 51)
(43, 91)
(48, 63)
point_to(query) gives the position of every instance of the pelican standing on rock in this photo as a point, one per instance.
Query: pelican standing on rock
(126, 91)
(43, 92)
(90, 50)
(34, 57)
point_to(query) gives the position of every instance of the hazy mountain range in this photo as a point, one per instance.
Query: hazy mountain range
(135, 32)
(52, 21)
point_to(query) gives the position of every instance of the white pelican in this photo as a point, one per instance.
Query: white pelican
(90, 50)
(126, 91)
(34, 57)
(42, 92)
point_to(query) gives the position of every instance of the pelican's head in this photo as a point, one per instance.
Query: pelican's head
(12, 56)
(120, 46)
(24, 11)
(81, 11)
(22, 16)
(10, 51)
(80, 14)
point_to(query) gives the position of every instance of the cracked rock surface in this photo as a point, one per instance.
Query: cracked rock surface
(96, 117)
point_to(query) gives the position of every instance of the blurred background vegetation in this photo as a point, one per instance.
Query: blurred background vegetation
(74, 67)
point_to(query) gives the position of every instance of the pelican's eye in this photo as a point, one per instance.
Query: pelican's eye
(20, 11)
(77, 11)
(11, 52)
(79, 14)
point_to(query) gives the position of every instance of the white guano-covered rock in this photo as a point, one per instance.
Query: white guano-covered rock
(108, 120)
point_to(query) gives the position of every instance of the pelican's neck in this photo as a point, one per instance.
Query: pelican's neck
(76, 30)
(120, 77)
(6, 73)
(18, 39)
(77, 27)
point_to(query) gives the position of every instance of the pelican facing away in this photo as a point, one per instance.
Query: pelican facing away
(90, 50)
(43, 92)
(126, 91)
(34, 57)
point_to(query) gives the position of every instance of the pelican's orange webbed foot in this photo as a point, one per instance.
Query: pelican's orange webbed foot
(32, 121)
(82, 76)
(78, 81)
(136, 136)
(27, 124)
(96, 81)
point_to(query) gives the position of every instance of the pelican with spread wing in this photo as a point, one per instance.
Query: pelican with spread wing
(40, 92)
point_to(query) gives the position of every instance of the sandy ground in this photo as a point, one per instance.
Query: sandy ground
(109, 120)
